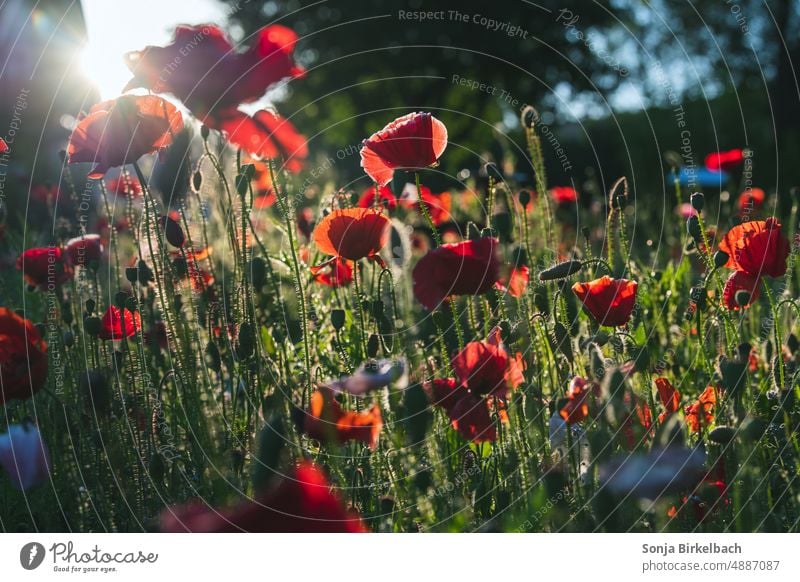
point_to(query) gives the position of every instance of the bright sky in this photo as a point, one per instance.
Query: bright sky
(115, 27)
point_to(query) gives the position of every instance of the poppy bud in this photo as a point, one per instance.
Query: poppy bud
(698, 201)
(248, 171)
(204, 131)
(540, 299)
(743, 351)
(92, 325)
(145, 273)
(337, 319)
(120, 298)
(373, 343)
(197, 181)
(734, 374)
(742, 298)
(242, 184)
(172, 231)
(90, 305)
(213, 358)
(524, 197)
(562, 341)
(693, 228)
(720, 259)
(792, 343)
(131, 275)
(69, 339)
(561, 270)
(258, 272)
(722, 435)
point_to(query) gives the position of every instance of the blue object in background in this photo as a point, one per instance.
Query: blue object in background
(701, 177)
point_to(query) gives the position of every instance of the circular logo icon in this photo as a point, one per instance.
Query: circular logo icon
(31, 555)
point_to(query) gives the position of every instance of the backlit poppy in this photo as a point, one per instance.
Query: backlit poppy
(609, 301)
(724, 161)
(756, 248)
(468, 413)
(23, 357)
(669, 396)
(333, 274)
(564, 194)
(577, 407)
(700, 414)
(212, 77)
(486, 368)
(24, 456)
(114, 327)
(740, 281)
(301, 502)
(125, 186)
(120, 131)
(466, 268)
(352, 233)
(412, 142)
(266, 135)
(751, 199)
(385, 197)
(84, 249)
(325, 421)
(44, 267)
(517, 283)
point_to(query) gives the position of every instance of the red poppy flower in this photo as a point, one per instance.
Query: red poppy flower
(468, 413)
(3, 146)
(751, 199)
(84, 249)
(385, 197)
(609, 301)
(577, 407)
(517, 283)
(301, 502)
(266, 135)
(352, 233)
(125, 186)
(213, 76)
(756, 248)
(114, 327)
(325, 421)
(740, 281)
(412, 142)
(724, 161)
(23, 357)
(437, 205)
(701, 412)
(336, 274)
(44, 267)
(486, 368)
(467, 268)
(120, 131)
(564, 194)
(669, 396)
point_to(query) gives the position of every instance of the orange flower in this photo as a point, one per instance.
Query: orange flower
(701, 413)
(23, 357)
(414, 141)
(517, 283)
(352, 233)
(326, 421)
(120, 131)
(609, 301)
(756, 248)
(577, 407)
(669, 396)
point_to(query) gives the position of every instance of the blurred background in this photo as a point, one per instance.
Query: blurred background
(619, 84)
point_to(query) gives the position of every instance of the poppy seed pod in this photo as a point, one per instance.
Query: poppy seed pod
(720, 258)
(742, 298)
(524, 197)
(561, 270)
(693, 228)
(197, 181)
(698, 201)
(92, 325)
(337, 319)
(172, 231)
